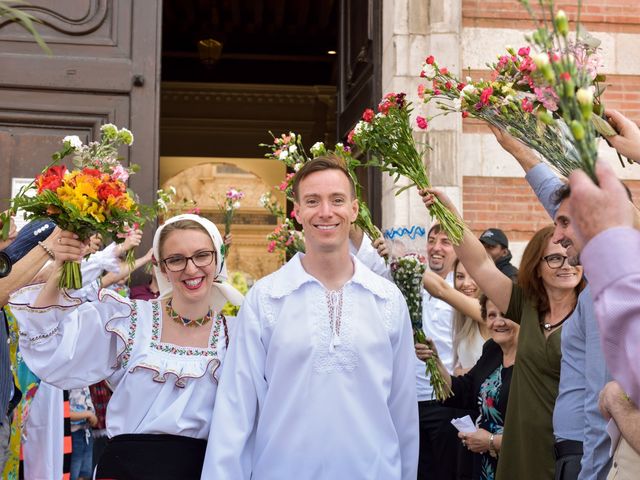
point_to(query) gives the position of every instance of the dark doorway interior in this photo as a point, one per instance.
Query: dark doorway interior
(280, 42)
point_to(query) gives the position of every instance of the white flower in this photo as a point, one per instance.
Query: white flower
(109, 130)
(73, 140)
(361, 127)
(265, 198)
(236, 205)
(584, 96)
(172, 190)
(541, 59)
(293, 149)
(297, 166)
(161, 204)
(457, 103)
(283, 155)
(468, 89)
(318, 149)
(429, 71)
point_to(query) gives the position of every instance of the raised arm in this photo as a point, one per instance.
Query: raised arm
(523, 154)
(25, 270)
(439, 288)
(474, 257)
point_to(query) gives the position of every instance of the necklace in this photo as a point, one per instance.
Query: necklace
(548, 326)
(187, 322)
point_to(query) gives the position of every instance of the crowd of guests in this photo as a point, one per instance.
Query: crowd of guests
(318, 375)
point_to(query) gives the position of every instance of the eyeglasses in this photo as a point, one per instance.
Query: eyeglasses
(555, 260)
(177, 263)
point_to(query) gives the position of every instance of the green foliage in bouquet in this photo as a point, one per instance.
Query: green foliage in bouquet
(288, 149)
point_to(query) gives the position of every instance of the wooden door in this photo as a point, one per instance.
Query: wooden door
(360, 79)
(104, 69)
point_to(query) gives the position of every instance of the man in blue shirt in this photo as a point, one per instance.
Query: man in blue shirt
(582, 443)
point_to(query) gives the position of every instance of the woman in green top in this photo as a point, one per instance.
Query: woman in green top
(545, 296)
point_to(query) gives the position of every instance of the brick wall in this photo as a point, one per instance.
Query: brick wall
(600, 15)
(509, 204)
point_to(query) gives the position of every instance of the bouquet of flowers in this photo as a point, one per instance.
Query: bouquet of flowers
(285, 238)
(228, 207)
(388, 137)
(547, 100)
(288, 149)
(407, 272)
(93, 198)
(168, 205)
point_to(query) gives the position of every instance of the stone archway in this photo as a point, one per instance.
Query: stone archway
(206, 184)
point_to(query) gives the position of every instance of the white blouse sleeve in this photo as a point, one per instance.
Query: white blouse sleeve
(241, 390)
(403, 399)
(75, 343)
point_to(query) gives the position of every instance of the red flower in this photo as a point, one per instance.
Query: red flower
(465, 114)
(527, 105)
(444, 70)
(524, 51)
(486, 93)
(350, 137)
(422, 122)
(92, 171)
(448, 85)
(368, 115)
(565, 76)
(107, 190)
(430, 60)
(384, 107)
(51, 179)
(460, 86)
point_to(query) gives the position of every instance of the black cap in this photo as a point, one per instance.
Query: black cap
(494, 236)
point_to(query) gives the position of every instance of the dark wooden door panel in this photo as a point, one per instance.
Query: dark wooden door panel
(104, 68)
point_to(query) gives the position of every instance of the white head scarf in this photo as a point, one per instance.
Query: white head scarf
(222, 291)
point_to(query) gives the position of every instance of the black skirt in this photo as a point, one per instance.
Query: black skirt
(152, 457)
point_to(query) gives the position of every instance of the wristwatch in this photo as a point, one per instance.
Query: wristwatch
(492, 447)
(5, 264)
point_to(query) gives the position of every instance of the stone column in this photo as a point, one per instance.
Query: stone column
(412, 30)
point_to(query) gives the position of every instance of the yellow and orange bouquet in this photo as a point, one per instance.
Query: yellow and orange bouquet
(91, 199)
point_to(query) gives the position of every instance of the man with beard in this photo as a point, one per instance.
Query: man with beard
(582, 443)
(438, 439)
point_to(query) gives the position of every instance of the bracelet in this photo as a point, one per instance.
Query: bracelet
(492, 447)
(48, 250)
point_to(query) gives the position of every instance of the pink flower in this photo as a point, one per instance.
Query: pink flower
(271, 247)
(547, 97)
(444, 70)
(448, 85)
(422, 122)
(293, 214)
(120, 173)
(430, 60)
(486, 93)
(421, 88)
(350, 137)
(565, 76)
(524, 51)
(527, 105)
(368, 115)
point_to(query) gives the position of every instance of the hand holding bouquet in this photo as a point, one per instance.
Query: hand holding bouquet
(91, 199)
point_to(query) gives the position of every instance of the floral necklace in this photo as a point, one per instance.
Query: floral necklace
(187, 322)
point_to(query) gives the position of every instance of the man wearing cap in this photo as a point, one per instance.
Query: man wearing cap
(496, 244)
